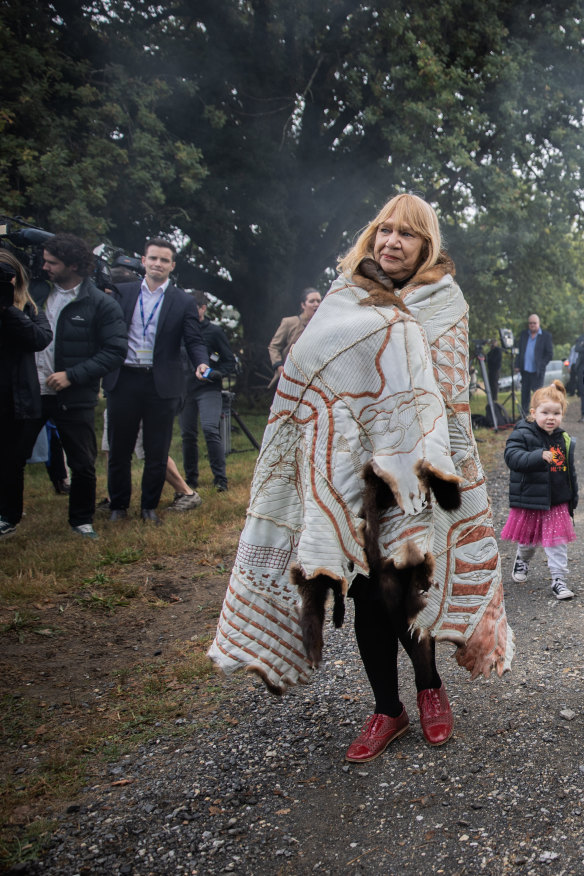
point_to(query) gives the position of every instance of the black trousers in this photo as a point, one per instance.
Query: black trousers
(76, 428)
(135, 399)
(207, 403)
(17, 439)
(378, 633)
(494, 383)
(530, 381)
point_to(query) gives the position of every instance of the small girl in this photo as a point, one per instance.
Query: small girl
(543, 489)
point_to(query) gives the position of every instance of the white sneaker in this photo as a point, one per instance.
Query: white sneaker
(561, 590)
(6, 528)
(520, 570)
(185, 501)
(86, 530)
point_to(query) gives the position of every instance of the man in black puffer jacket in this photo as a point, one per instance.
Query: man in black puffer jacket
(89, 340)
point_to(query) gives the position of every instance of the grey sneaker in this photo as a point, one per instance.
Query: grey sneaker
(520, 570)
(561, 590)
(6, 528)
(185, 501)
(86, 530)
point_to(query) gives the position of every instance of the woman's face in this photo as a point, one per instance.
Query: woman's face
(397, 249)
(310, 306)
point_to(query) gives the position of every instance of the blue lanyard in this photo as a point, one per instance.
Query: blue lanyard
(152, 312)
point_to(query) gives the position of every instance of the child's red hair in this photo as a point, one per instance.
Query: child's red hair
(555, 392)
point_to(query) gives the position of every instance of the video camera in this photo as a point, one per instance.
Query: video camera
(478, 345)
(25, 241)
(113, 266)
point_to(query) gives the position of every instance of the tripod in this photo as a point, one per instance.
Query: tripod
(480, 357)
(511, 395)
(226, 414)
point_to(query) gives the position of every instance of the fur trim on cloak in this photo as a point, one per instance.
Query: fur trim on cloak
(371, 277)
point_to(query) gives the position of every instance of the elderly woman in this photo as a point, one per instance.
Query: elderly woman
(369, 483)
(291, 328)
(23, 330)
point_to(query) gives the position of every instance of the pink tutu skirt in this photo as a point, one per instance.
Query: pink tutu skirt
(547, 528)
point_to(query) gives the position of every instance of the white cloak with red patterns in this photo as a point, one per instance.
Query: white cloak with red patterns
(367, 385)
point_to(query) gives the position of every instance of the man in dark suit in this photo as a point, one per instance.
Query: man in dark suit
(149, 385)
(535, 351)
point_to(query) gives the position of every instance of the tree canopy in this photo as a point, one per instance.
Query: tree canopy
(262, 135)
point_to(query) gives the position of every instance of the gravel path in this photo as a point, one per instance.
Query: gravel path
(265, 789)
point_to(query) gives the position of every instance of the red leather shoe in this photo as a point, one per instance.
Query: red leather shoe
(376, 734)
(436, 715)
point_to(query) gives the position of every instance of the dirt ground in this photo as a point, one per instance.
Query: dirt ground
(73, 650)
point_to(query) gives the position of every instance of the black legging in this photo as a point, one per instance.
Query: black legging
(378, 632)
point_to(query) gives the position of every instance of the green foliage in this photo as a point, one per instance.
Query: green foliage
(82, 133)
(264, 134)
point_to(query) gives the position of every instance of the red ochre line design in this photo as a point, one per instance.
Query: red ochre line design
(378, 370)
(407, 533)
(256, 657)
(286, 658)
(462, 609)
(286, 655)
(329, 445)
(458, 589)
(279, 656)
(461, 566)
(470, 536)
(269, 617)
(459, 628)
(292, 380)
(328, 513)
(472, 487)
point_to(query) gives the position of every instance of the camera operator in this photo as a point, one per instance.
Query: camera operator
(494, 359)
(24, 330)
(203, 399)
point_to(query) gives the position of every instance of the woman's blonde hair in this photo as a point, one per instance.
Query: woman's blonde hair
(403, 209)
(21, 293)
(555, 392)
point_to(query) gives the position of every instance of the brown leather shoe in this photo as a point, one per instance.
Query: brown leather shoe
(376, 734)
(436, 715)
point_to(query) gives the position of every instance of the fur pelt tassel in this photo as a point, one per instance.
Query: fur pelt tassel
(404, 590)
(447, 494)
(313, 593)
(377, 498)
(446, 488)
